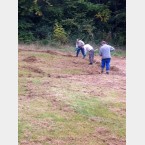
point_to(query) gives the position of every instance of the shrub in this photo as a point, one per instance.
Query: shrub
(59, 34)
(26, 37)
(43, 32)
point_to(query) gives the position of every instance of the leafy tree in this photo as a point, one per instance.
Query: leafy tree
(90, 20)
(59, 34)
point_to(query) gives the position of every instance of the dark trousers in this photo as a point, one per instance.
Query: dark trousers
(106, 62)
(91, 56)
(82, 50)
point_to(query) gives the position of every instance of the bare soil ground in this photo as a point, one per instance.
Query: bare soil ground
(65, 101)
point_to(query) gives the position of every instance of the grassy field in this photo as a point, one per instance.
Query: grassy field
(65, 101)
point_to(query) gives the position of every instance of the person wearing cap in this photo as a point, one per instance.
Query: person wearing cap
(90, 49)
(105, 53)
(79, 47)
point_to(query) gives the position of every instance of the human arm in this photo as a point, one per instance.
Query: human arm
(112, 48)
(100, 52)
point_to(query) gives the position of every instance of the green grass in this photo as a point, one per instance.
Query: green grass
(95, 108)
(36, 81)
(23, 127)
(72, 71)
(43, 55)
(88, 107)
(117, 52)
(51, 115)
(22, 88)
(63, 109)
(24, 72)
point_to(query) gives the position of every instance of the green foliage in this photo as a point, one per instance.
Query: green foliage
(26, 36)
(89, 20)
(119, 52)
(70, 25)
(44, 42)
(104, 15)
(59, 34)
(43, 32)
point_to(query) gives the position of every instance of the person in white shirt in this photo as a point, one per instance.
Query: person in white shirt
(90, 49)
(79, 47)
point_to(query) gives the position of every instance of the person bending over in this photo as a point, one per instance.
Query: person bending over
(79, 47)
(90, 49)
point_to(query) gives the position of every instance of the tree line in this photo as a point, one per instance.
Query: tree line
(66, 20)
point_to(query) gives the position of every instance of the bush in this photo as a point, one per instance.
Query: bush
(43, 32)
(59, 34)
(26, 37)
(44, 42)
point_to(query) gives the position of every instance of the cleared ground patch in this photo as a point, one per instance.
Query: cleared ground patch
(65, 101)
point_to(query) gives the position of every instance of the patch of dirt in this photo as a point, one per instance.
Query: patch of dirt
(98, 63)
(120, 111)
(34, 69)
(105, 135)
(53, 52)
(30, 59)
(59, 53)
(102, 130)
(114, 68)
(20, 75)
(61, 76)
(70, 55)
(89, 75)
(91, 70)
(115, 141)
